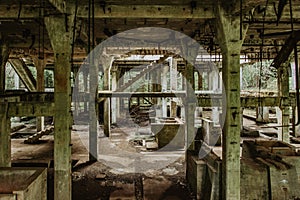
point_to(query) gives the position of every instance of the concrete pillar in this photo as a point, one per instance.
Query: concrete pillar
(262, 114)
(93, 118)
(183, 81)
(5, 143)
(4, 54)
(173, 84)
(200, 80)
(76, 91)
(164, 86)
(154, 84)
(17, 81)
(114, 108)
(296, 129)
(228, 33)
(122, 109)
(40, 86)
(157, 88)
(190, 106)
(85, 87)
(106, 114)
(214, 86)
(242, 119)
(283, 92)
(61, 41)
(241, 78)
(173, 74)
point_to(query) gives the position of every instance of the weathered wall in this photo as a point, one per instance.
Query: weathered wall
(254, 181)
(23, 184)
(171, 134)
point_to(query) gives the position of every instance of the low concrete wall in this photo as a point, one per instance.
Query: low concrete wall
(211, 133)
(269, 170)
(196, 174)
(23, 183)
(169, 132)
(204, 176)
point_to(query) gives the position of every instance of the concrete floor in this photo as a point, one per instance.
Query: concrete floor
(163, 176)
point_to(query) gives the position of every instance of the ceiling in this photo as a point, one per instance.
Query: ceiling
(270, 23)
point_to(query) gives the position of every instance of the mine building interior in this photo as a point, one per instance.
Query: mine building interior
(182, 99)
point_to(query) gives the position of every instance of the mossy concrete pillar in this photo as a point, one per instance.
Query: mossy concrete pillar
(114, 100)
(93, 118)
(5, 143)
(190, 106)
(230, 41)
(60, 33)
(284, 112)
(4, 54)
(164, 86)
(40, 87)
(106, 112)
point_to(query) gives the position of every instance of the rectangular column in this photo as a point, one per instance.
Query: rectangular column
(106, 112)
(262, 114)
(296, 129)
(214, 86)
(39, 65)
(114, 99)
(164, 86)
(93, 118)
(5, 143)
(61, 39)
(4, 54)
(190, 107)
(283, 91)
(173, 84)
(230, 39)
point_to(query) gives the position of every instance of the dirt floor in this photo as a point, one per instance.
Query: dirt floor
(125, 169)
(116, 175)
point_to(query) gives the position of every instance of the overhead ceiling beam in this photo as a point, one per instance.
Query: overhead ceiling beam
(246, 5)
(114, 11)
(18, 13)
(24, 73)
(149, 11)
(60, 5)
(287, 49)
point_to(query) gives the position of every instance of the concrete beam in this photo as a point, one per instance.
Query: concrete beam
(287, 49)
(149, 11)
(30, 109)
(14, 12)
(24, 73)
(113, 11)
(61, 41)
(60, 5)
(107, 94)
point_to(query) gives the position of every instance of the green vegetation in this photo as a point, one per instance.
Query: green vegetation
(259, 76)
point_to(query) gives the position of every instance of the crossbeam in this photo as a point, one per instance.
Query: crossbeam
(116, 11)
(30, 109)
